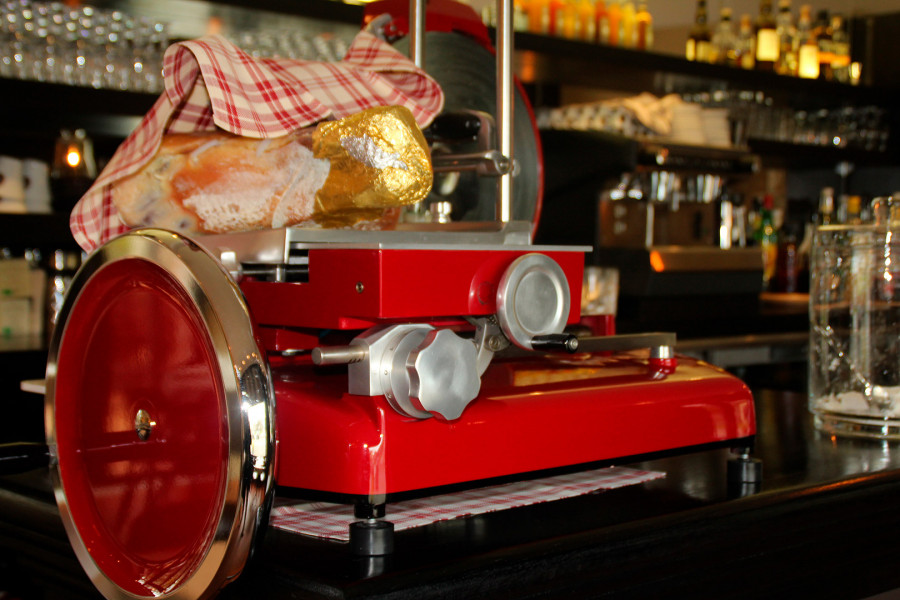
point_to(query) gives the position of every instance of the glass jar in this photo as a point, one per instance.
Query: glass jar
(854, 367)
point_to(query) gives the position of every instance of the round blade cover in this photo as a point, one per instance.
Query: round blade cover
(159, 420)
(532, 299)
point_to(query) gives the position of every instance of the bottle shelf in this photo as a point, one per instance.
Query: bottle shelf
(628, 154)
(542, 60)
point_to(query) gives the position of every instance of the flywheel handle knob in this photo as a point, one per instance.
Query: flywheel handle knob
(443, 374)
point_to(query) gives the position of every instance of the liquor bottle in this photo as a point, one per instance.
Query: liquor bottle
(724, 41)
(587, 21)
(840, 48)
(807, 48)
(767, 237)
(538, 16)
(520, 15)
(854, 210)
(644, 29)
(602, 20)
(767, 44)
(822, 31)
(613, 17)
(826, 206)
(789, 258)
(555, 23)
(787, 33)
(849, 210)
(745, 49)
(627, 25)
(565, 19)
(699, 38)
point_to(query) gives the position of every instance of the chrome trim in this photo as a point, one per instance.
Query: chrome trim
(505, 105)
(249, 397)
(274, 246)
(417, 32)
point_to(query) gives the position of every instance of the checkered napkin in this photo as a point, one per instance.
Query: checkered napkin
(210, 82)
(332, 521)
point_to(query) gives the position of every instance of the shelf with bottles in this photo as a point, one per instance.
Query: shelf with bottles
(671, 155)
(540, 59)
(701, 126)
(552, 61)
(777, 42)
(624, 23)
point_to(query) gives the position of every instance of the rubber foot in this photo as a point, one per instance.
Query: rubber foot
(372, 538)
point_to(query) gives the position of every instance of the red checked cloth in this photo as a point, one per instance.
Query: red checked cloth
(210, 82)
(332, 521)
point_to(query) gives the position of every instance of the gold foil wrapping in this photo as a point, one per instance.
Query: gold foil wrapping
(379, 159)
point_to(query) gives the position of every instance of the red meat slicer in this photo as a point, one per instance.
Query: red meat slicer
(189, 378)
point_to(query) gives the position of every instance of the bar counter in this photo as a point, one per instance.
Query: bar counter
(824, 523)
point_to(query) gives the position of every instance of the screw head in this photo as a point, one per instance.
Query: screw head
(143, 425)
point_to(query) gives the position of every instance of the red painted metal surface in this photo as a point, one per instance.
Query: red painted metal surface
(147, 510)
(533, 413)
(354, 288)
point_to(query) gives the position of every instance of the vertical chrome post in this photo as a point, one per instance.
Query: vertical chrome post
(504, 44)
(417, 32)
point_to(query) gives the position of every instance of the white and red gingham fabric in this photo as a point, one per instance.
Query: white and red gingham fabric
(211, 83)
(332, 521)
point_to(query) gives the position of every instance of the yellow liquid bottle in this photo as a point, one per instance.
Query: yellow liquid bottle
(539, 16)
(627, 25)
(567, 20)
(698, 46)
(613, 17)
(644, 28)
(587, 21)
(602, 20)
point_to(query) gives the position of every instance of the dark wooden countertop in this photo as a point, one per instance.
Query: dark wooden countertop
(824, 524)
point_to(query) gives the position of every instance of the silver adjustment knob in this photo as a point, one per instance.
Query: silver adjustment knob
(395, 377)
(443, 374)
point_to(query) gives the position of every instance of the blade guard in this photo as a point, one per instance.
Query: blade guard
(159, 419)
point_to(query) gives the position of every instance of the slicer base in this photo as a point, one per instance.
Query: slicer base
(534, 414)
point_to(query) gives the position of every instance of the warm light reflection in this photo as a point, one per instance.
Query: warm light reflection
(73, 157)
(527, 66)
(656, 262)
(855, 72)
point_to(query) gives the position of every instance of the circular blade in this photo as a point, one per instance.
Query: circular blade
(465, 71)
(159, 417)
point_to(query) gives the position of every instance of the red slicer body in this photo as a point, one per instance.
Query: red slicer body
(188, 380)
(534, 410)
(532, 414)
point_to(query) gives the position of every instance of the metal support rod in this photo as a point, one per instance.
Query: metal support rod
(504, 44)
(417, 32)
(338, 355)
